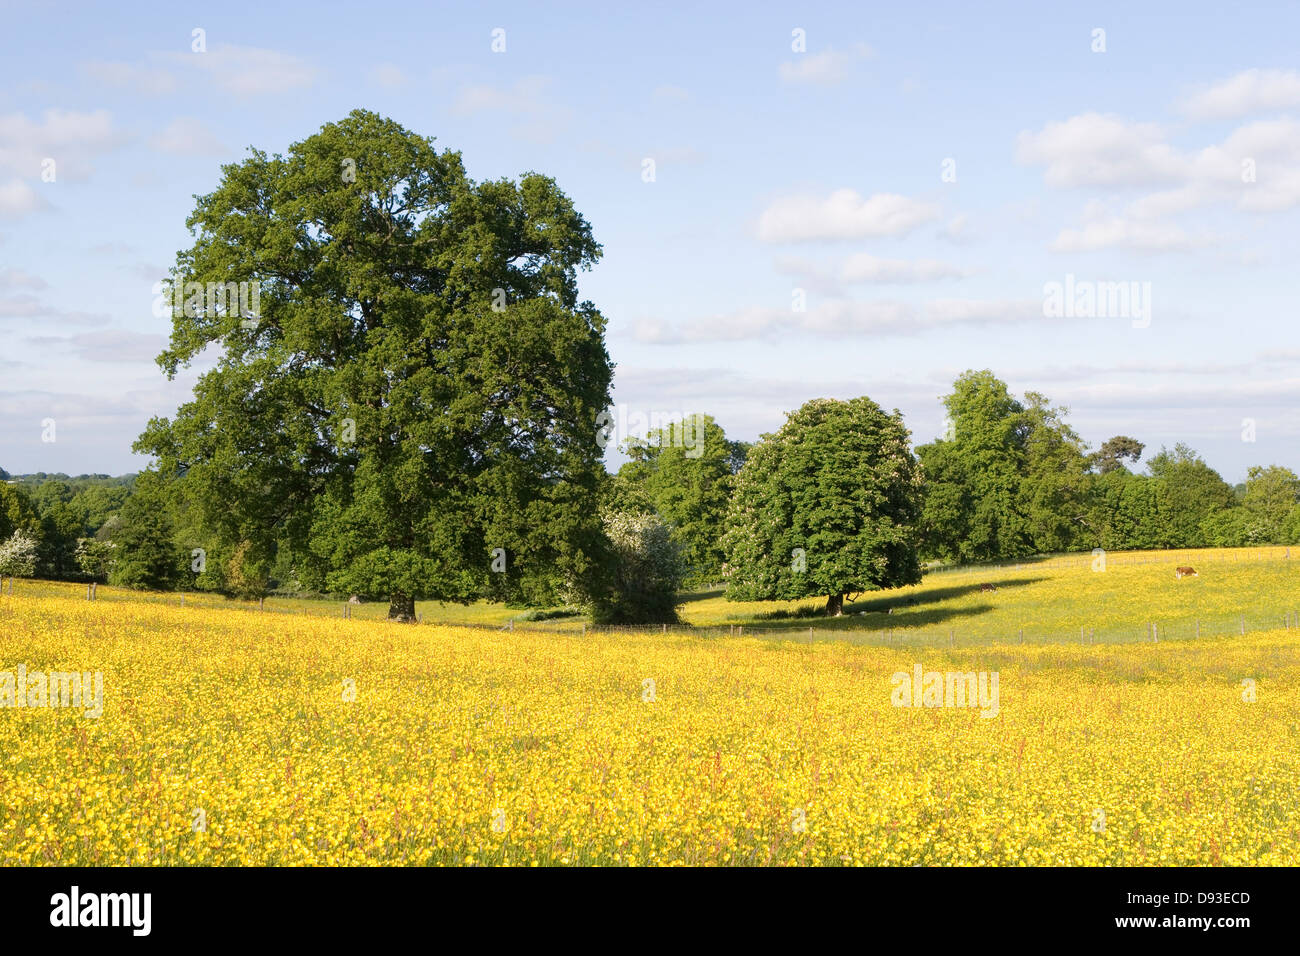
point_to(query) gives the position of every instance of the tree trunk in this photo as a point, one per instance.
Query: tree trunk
(401, 607)
(835, 605)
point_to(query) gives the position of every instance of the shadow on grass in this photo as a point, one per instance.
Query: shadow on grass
(910, 610)
(1003, 563)
(901, 602)
(912, 618)
(700, 595)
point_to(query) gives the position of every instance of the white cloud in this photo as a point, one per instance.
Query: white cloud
(1255, 169)
(826, 68)
(187, 136)
(1274, 146)
(1268, 148)
(17, 279)
(1101, 150)
(842, 215)
(955, 230)
(841, 317)
(530, 101)
(1252, 91)
(70, 138)
(250, 71)
(147, 272)
(17, 199)
(25, 305)
(748, 405)
(389, 75)
(145, 80)
(666, 156)
(110, 345)
(864, 267)
(1054, 374)
(811, 276)
(1256, 392)
(1117, 232)
(96, 426)
(526, 94)
(111, 248)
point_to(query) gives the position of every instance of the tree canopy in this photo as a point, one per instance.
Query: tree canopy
(974, 511)
(684, 473)
(410, 412)
(828, 505)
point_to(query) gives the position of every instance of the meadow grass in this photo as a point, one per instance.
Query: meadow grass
(1052, 598)
(466, 746)
(1046, 599)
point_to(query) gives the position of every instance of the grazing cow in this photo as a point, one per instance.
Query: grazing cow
(1185, 573)
(988, 587)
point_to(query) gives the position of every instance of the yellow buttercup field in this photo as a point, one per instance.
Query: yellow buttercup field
(230, 737)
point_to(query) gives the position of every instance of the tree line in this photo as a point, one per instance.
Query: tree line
(836, 502)
(404, 406)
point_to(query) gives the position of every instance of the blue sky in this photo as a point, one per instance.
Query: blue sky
(775, 170)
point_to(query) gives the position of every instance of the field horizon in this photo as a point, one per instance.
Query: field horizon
(306, 739)
(1236, 590)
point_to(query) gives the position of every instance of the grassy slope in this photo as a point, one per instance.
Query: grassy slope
(241, 715)
(1047, 599)
(1056, 597)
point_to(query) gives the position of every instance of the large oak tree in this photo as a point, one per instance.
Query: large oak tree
(412, 411)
